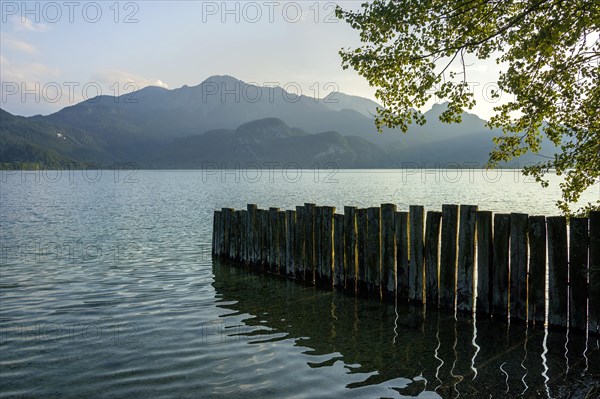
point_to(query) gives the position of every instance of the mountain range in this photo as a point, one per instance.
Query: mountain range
(228, 121)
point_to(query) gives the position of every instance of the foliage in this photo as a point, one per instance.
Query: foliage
(413, 50)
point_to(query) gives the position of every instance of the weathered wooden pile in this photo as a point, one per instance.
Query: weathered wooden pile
(460, 258)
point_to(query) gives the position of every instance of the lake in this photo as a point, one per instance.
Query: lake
(108, 289)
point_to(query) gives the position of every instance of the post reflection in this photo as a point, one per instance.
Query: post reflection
(457, 377)
(525, 386)
(587, 338)
(432, 353)
(477, 347)
(545, 364)
(395, 321)
(437, 348)
(567, 351)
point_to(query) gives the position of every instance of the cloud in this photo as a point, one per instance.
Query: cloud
(29, 88)
(26, 72)
(132, 81)
(18, 45)
(28, 25)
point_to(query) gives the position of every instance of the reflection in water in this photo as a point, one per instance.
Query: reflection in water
(506, 350)
(457, 378)
(477, 347)
(395, 321)
(567, 353)
(397, 351)
(587, 337)
(333, 320)
(437, 348)
(525, 359)
(545, 364)
(504, 371)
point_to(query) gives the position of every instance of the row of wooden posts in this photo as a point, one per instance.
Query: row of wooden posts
(460, 258)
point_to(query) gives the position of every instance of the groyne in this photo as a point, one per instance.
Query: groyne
(508, 266)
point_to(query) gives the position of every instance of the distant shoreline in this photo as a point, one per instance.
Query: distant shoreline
(12, 167)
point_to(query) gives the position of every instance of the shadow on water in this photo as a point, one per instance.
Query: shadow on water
(436, 351)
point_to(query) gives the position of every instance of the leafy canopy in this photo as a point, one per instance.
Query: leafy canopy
(550, 53)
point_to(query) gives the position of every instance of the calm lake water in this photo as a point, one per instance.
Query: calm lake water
(108, 289)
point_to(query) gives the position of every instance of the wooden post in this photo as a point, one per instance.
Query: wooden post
(558, 273)
(273, 242)
(518, 266)
(361, 221)
(537, 270)
(252, 233)
(299, 253)
(318, 243)
(290, 244)
(402, 245)
(327, 246)
(232, 234)
(500, 276)
(415, 266)
(227, 212)
(388, 242)
(214, 232)
(243, 250)
(239, 239)
(594, 284)
(221, 233)
(281, 242)
(338, 249)
(465, 287)
(243, 221)
(432, 256)
(266, 216)
(448, 255)
(258, 236)
(266, 238)
(484, 262)
(374, 250)
(309, 242)
(230, 231)
(263, 217)
(350, 245)
(273, 238)
(215, 236)
(233, 242)
(578, 272)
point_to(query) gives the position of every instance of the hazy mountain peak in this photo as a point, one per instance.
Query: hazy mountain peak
(437, 108)
(339, 101)
(153, 89)
(220, 79)
(265, 125)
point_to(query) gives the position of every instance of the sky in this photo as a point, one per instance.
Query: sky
(56, 54)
